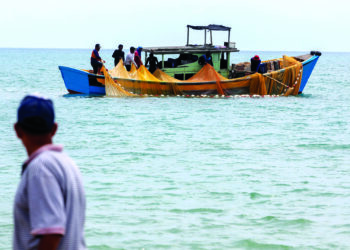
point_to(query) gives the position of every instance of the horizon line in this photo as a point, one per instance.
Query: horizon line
(326, 51)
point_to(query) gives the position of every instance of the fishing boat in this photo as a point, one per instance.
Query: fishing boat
(181, 71)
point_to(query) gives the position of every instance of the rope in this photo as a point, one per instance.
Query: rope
(282, 82)
(277, 81)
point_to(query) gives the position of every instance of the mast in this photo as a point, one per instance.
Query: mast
(188, 35)
(229, 31)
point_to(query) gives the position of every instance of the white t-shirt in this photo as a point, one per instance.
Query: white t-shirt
(130, 59)
(50, 199)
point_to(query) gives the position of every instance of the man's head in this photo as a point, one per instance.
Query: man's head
(120, 47)
(97, 46)
(35, 121)
(132, 50)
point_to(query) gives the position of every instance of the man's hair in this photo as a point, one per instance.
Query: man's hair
(97, 45)
(132, 49)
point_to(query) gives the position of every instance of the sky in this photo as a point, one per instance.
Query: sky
(262, 25)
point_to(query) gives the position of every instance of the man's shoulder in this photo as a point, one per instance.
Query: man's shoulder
(50, 160)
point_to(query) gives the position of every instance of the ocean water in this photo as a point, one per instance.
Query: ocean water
(193, 173)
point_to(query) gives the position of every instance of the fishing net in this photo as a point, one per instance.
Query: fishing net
(114, 88)
(119, 71)
(287, 80)
(207, 81)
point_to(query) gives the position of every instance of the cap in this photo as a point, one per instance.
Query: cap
(256, 57)
(36, 114)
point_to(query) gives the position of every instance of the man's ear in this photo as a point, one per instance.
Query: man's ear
(54, 129)
(18, 130)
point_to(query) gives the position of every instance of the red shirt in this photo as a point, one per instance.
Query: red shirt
(137, 59)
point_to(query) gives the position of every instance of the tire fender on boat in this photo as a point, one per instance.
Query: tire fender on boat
(315, 53)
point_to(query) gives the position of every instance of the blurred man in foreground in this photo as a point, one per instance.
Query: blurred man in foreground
(49, 209)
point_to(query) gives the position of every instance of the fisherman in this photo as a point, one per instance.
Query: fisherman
(139, 50)
(49, 209)
(153, 62)
(137, 59)
(130, 59)
(96, 60)
(255, 63)
(118, 54)
(206, 58)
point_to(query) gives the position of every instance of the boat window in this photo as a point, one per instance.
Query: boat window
(186, 59)
(188, 76)
(179, 76)
(183, 76)
(181, 60)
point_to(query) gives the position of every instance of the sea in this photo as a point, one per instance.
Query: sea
(193, 173)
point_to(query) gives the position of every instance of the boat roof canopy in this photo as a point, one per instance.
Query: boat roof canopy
(189, 49)
(195, 48)
(210, 27)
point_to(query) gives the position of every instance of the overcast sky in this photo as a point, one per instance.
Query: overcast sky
(273, 25)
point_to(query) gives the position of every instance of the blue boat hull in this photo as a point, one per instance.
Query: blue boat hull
(82, 82)
(308, 67)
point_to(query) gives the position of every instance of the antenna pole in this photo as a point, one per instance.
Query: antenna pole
(188, 35)
(229, 31)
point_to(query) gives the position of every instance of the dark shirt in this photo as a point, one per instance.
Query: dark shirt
(117, 55)
(208, 60)
(153, 61)
(254, 64)
(203, 59)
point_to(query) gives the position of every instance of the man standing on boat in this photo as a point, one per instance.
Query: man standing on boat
(49, 209)
(118, 54)
(205, 59)
(152, 61)
(139, 50)
(130, 59)
(255, 63)
(96, 60)
(137, 59)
